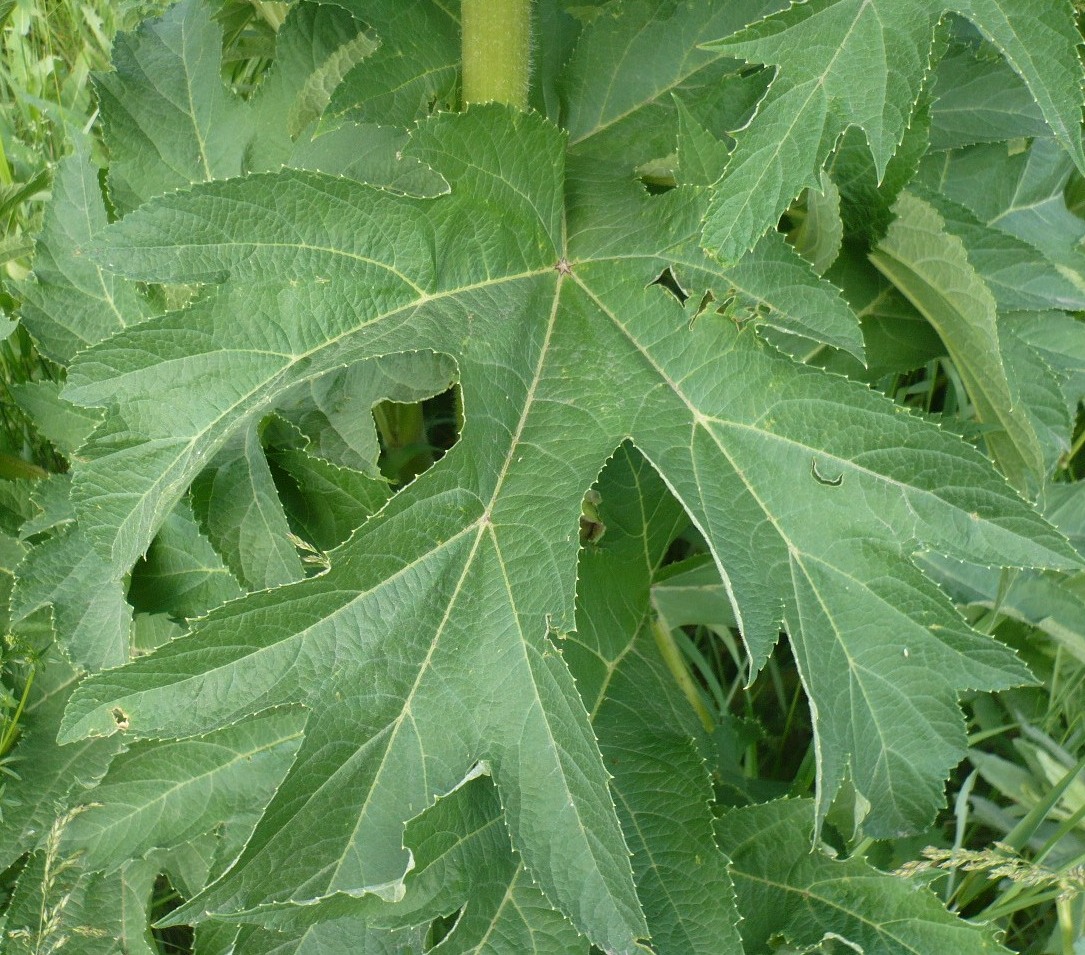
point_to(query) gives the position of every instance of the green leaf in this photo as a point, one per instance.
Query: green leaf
(181, 574)
(820, 230)
(61, 422)
(979, 98)
(826, 51)
(52, 497)
(1050, 602)
(651, 741)
(71, 302)
(1016, 190)
(773, 286)
(654, 59)
(463, 866)
(238, 506)
(650, 738)
(51, 778)
(461, 572)
(348, 242)
(1019, 276)
(324, 502)
(168, 118)
(345, 936)
(790, 894)
(315, 47)
(335, 412)
(413, 72)
(1060, 341)
(89, 612)
(931, 267)
(897, 337)
(57, 902)
(159, 795)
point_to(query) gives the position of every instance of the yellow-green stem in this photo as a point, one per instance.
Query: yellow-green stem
(676, 663)
(11, 729)
(496, 51)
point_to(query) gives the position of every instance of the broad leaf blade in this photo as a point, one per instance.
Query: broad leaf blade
(161, 795)
(443, 599)
(168, 118)
(72, 302)
(414, 71)
(788, 893)
(636, 59)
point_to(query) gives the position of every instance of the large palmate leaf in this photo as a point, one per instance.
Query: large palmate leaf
(862, 63)
(496, 756)
(430, 647)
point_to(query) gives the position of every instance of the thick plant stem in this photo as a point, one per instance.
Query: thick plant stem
(496, 51)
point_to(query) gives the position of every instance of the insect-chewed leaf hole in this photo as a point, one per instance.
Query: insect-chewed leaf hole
(414, 437)
(164, 899)
(667, 280)
(119, 717)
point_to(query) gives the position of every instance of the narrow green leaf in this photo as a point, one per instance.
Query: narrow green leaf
(238, 505)
(651, 741)
(931, 267)
(820, 231)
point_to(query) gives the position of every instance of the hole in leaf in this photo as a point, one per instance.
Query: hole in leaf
(668, 281)
(440, 928)
(119, 717)
(416, 436)
(164, 899)
(592, 527)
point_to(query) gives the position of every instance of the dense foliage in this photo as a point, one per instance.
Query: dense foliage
(432, 480)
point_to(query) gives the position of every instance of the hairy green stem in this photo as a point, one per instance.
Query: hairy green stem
(676, 663)
(496, 51)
